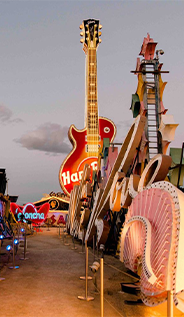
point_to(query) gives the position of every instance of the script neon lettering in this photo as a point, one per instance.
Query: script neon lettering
(31, 215)
(121, 194)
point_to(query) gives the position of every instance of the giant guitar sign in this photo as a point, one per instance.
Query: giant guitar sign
(86, 142)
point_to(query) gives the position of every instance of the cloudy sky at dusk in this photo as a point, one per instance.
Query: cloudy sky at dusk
(42, 78)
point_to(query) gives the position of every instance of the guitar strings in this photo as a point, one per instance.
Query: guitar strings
(94, 115)
(92, 109)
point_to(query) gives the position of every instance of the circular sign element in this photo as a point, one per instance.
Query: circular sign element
(54, 204)
(106, 129)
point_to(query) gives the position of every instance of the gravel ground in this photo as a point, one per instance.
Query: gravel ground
(48, 283)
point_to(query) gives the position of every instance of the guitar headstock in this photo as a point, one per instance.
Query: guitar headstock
(90, 33)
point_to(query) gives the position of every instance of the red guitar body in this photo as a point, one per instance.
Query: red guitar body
(71, 170)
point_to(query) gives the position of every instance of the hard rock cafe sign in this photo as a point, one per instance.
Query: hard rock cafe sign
(86, 142)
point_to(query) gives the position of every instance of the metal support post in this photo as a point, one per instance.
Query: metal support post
(14, 267)
(82, 251)
(82, 241)
(86, 297)
(169, 303)
(101, 288)
(59, 230)
(73, 240)
(94, 247)
(1, 238)
(97, 244)
(65, 238)
(24, 258)
(180, 166)
(86, 264)
(95, 284)
(18, 230)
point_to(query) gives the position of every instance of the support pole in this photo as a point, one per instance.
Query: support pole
(82, 241)
(169, 303)
(86, 297)
(65, 237)
(73, 240)
(14, 267)
(180, 166)
(94, 247)
(82, 251)
(97, 244)
(24, 258)
(59, 230)
(86, 264)
(18, 230)
(1, 238)
(101, 288)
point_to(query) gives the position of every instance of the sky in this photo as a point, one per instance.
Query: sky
(42, 79)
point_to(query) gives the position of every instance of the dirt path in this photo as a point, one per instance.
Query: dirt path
(48, 284)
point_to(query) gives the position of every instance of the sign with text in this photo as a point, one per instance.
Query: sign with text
(30, 212)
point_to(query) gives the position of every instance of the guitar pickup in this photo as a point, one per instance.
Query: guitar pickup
(92, 148)
(92, 137)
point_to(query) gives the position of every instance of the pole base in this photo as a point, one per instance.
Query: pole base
(14, 267)
(2, 279)
(74, 248)
(24, 258)
(96, 292)
(88, 298)
(83, 278)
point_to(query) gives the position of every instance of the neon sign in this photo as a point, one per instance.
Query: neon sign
(76, 177)
(29, 212)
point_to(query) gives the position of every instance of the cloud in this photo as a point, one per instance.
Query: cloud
(122, 130)
(6, 116)
(124, 124)
(48, 137)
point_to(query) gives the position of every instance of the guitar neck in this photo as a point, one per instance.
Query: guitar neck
(91, 116)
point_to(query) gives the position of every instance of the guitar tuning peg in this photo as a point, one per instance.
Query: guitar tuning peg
(100, 40)
(100, 26)
(81, 33)
(81, 27)
(82, 40)
(99, 33)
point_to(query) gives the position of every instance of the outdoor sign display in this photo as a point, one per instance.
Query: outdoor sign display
(152, 236)
(29, 212)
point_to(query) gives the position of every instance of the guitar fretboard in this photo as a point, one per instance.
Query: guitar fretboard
(91, 96)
